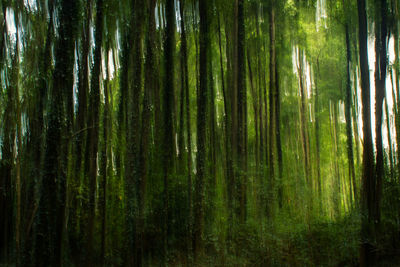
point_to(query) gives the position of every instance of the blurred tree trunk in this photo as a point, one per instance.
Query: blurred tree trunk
(381, 36)
(75, 234)
(132, 173)
(368, 177)
(185, 85)
(7, 164)
(317, 134)
(168, 143)
(93, 130)
(105, 155)
(348, 104)
(303, 119)
(260, 82)
(51, 212)
(272, 91)
(242, 112)
(204, 39)
(151, 82)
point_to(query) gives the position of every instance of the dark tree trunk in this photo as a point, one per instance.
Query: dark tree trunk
(380, 90)
(368, 177)
(151, 82)
(204, 39)
(185, 84)
(242, 112)
(212, 149)
(272, 91)
(132, 173)
(80, 131)
(260, 94)
(50, 217)
(93, 130)
(168, 98)
(6, 166)
(349, 132)
(227, 126)
(105, 153)
(303, 120)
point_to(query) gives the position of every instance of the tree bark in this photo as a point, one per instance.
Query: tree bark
(168, 98)
(51, 211)
(348, 104)
(368, 176)
(93, 132)
(380, 91)
(242, 112)
(202, 101)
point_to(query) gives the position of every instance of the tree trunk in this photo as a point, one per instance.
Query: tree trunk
(15, 71)
(272, 91)
(6, 166)
(105, 158)
(185, 84)
(93, 129)
(80, 132)
(317, 135)
(168, 98)
(348, 104)
(50, 217)
(368, 177)
(204, 39)
(380, 91)
(242, 112)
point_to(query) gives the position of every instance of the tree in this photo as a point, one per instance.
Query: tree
(51, 211)
(167, 104)
(198, 208)
(368, 176)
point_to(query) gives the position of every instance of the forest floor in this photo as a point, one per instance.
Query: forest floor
(287, 242)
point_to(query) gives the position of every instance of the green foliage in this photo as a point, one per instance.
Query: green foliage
(249, 214)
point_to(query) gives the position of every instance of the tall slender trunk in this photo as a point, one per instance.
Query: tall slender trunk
(380, 91)
(368, 177)
(105, 157)
(93, 133)
(151, 82)
(260, 83)
(51, 212)
(132, 174)
(185, 84)
(242, 112)
(303, 120)
(317, 134)
(338, 188)
(348, 104)
(7, 164)
(272, 92)
(355, 127)
(18, 153)
(278, 142)
(80, 131)
(202, 101)
(227, 127)
(168, 98)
